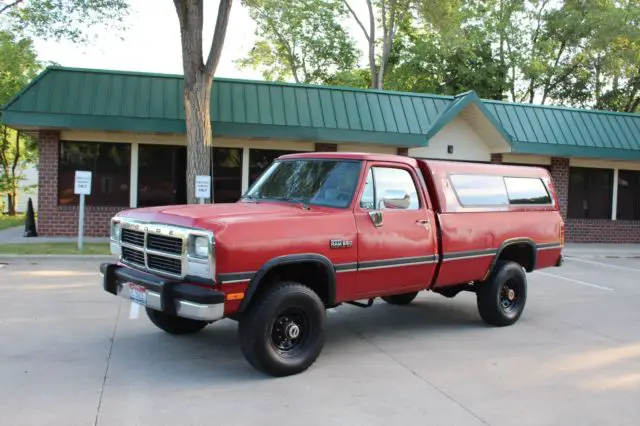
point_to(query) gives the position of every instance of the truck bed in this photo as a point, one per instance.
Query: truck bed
(470, 236)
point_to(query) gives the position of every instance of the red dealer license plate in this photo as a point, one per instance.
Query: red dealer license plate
(138, 294)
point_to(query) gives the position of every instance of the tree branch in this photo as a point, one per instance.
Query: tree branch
(9, 6)
(290, 51)
(353, 13)
(224, 11)
(534, 40)
(190, 17)
(372, 44)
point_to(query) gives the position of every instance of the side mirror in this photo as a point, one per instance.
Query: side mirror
(396, 199)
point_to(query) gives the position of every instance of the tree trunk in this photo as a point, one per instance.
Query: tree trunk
(198, 79)
(197, 96)
(11, 203)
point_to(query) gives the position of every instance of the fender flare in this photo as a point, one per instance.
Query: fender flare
(315, 258)
(511, 242)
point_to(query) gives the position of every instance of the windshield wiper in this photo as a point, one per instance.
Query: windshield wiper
(304, 206)
(251, 197)
(300, 203)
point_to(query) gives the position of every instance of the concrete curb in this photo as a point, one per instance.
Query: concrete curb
(95, 257)
(603, 256)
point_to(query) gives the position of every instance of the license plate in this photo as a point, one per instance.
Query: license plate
(138, 294)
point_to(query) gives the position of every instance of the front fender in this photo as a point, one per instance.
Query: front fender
(315, 258)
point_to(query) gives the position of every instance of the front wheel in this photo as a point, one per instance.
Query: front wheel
(502, 297)
(282, 333)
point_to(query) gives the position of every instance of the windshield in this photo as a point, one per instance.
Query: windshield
(310, 181)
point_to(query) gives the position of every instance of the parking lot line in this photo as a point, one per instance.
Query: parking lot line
(624, 268)
(560, 277)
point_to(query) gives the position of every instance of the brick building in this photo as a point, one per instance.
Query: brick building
(128, 129)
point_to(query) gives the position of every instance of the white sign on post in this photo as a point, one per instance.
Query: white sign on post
(82, 183)
(203, 187)
(82, 187)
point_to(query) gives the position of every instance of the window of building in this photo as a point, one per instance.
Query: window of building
(162, 178)
(480, 190)
(389, 188)
(259, 160)
(590, 192)
(628, 195)
(523, 190)
(227, 174)
(110, 164)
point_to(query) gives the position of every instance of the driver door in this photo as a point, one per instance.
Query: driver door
(396, 232)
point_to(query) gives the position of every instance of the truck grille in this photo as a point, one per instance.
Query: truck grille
(167, 264)
(165, 256)
(166, 244)
(132, 237)
(133, 256)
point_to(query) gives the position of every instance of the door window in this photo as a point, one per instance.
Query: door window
(389, 188)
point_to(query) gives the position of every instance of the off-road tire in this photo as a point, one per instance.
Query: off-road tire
(489, 294)
(174, 325)
(284, 305)
(400, 299)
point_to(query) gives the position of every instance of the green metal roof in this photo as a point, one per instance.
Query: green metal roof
(549, 130)
(128, 101)
(63, 97)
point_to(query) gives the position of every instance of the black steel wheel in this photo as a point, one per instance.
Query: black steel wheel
(400, 299)
(174, 325)
(501, 298)
(282, 333)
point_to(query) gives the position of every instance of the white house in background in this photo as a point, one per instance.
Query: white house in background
(30, 179)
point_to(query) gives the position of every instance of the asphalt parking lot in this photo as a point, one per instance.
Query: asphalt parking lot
(71, 354)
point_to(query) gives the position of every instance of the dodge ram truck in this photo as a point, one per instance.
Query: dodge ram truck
(318, 230)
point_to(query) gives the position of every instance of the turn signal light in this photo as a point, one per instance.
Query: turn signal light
(235, 296)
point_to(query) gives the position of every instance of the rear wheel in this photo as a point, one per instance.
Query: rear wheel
(401, 299)
(282, 333)
(174, 325)
(501, 298)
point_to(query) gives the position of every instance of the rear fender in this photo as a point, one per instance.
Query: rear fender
(510, 243)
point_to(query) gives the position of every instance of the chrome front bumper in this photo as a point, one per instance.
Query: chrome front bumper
(177, 298)
(184, 308)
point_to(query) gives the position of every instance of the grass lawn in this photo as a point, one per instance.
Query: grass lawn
(55, 248)
(11, 221)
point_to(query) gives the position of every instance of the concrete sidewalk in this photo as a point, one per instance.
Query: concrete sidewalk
(623, 251)
(14, 236)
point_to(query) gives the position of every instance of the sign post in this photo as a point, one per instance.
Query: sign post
(203, 187)
(82, 187)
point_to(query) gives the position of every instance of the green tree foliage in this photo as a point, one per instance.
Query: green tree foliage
(299, 39)
(19, 64)
(430, 62)
(62, 19)
(582, 53)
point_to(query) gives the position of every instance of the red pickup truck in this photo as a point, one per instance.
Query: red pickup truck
(318, 230)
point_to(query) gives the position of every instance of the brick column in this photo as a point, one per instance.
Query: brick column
(560, 176)
(496, 158)
(49, 153)
(53, 219)
(326, 147)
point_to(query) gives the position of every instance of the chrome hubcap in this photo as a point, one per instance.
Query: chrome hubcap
(292, 330)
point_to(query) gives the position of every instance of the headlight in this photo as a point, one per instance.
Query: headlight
(201, 247)
(115, 231)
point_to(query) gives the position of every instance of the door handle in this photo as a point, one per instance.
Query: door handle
(422, 221)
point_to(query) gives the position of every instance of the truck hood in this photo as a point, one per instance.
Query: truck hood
(207, 216)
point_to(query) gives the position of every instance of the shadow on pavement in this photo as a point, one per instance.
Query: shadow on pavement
(213, 357)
